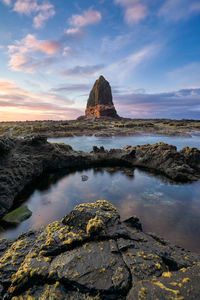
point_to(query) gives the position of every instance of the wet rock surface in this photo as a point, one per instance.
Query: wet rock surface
(100, 102)
(30, 157)
(91, 254)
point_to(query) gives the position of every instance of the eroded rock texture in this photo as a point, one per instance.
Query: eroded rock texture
(23, 160)
(91, 254)
(100, 102)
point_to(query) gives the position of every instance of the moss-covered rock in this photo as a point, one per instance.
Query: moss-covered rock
(17, 215)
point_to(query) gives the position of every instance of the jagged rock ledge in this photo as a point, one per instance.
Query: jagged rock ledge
(91, 254)
(23, 160)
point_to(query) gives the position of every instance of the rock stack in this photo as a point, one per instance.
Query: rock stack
(100, 102)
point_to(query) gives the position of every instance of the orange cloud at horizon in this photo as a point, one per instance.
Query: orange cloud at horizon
(17, 104)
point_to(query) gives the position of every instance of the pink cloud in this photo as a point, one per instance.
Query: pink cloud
(49, 47)
(18, 105)
(17, 61)
(42, 11)
(135, 10)
(135, 13)
(6, 2)
(20, 52)
(74, 32)
(43, 16)
(88, 17)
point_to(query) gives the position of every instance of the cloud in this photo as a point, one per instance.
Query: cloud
(6, 2)
(176, 10)
(21, 53)
(73, 88)
(42, 11)
(112, 44)
(74, 32)
(135, 10)
(187, 76)
(88, 70)
(135, 13)
(88, 17)
(67, 51)
(18, 104)
(180, 104)
(122, 68)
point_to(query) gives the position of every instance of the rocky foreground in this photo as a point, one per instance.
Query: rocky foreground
(90, 254)
(23, 160)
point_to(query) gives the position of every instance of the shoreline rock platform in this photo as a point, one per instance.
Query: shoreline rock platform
(91, 254)
(23, 160)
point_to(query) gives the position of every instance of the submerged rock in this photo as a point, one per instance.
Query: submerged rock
(91, 254)
(84, 177)
(17, 215)
(100, 102)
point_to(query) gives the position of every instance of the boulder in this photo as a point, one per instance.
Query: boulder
(16, 216)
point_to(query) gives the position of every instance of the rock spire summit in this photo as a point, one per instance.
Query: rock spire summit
(100, 102)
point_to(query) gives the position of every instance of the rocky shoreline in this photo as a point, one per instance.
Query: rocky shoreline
(91, 254)
(23, 160)
(104, 126)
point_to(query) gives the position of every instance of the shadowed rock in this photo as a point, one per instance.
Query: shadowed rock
(100, 102)
(91, 254)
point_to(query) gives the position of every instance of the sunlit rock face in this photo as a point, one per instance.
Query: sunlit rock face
(100, 102)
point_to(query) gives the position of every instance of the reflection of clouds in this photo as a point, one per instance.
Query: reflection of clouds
(173, 212)
(177, 223)
(45, 200)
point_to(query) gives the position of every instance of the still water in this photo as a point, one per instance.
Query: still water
(169, 210)
(85, 143)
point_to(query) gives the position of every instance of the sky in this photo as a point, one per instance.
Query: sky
(52, 51)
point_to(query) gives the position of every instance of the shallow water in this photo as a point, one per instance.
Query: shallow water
(85, 143)
(169, 210)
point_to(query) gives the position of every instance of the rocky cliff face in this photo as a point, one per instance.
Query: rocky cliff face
(91, 254)
(100, 102)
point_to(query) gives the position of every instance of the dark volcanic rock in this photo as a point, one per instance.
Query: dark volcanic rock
(100, 102)
(91, 254)
(26, 159)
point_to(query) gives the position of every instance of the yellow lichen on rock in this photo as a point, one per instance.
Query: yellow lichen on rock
(162, 286)
(167, 274)
(142, 293)
(94, 225)
(100, 204)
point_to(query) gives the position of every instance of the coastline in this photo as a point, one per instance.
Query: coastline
(101, 127)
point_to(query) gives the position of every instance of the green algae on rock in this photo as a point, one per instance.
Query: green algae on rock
(17, 215)
(65, 260)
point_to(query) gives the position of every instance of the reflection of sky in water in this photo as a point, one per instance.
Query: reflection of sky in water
(172, 211)
(85, 143)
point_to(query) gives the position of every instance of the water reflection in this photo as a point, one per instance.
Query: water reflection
(167, 209)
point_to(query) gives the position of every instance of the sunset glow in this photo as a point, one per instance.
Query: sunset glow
(52, 51)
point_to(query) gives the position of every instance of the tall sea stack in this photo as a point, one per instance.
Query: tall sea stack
(100, 102)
